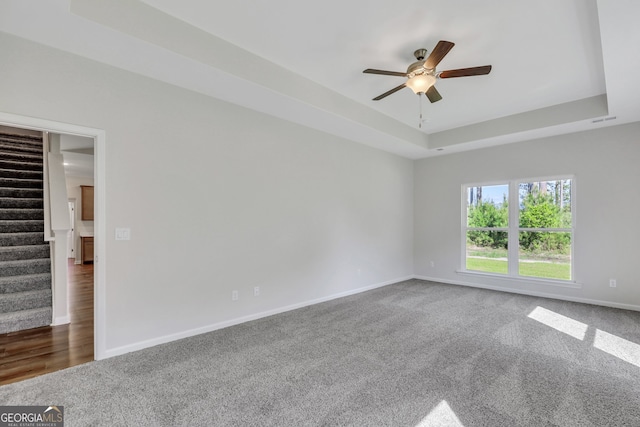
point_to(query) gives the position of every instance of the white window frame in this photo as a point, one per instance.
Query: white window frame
(513, 230)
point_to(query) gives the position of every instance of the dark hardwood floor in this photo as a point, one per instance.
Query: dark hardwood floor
(34, 352)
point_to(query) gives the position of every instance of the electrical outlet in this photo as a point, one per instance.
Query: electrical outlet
(613, 283)
(234, 295)
(256, 291)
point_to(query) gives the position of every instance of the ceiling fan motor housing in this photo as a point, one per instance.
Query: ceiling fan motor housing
(417, 69)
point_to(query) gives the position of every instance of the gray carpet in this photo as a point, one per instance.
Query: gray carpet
(409, 354)
(25, 266)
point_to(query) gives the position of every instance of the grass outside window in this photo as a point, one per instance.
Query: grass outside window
(529, 222)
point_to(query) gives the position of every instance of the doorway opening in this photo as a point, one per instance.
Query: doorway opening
(84, 336)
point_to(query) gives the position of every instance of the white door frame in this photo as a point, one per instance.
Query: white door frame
(99, 278)
(71, 238)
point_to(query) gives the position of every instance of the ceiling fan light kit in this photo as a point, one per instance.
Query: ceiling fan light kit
(420, 79)
(422, 76)
(421, 83)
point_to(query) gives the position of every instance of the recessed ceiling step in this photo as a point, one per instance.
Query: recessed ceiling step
(28, 282)
(27, 300)
(21, 239)
(25, 319)
(24, 267)
(14, 253)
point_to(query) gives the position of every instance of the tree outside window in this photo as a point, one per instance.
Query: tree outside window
(520, 228)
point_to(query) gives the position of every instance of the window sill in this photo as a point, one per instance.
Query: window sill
(524, 280)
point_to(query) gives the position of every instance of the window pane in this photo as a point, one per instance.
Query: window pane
(545, 204)
(487, 206)
(487, 251)
(545, 254)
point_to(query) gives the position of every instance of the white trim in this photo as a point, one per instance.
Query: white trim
(532, 293)
(99, 277)
(523, 279)
(100, 245)
(231, 322)
(513, 230)
(61, 320)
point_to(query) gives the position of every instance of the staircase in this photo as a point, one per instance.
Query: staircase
(25, 266)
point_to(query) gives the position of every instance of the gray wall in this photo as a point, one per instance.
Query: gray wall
(221, 198)
(605, 163)
(218, 198)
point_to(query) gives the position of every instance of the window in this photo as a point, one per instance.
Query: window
(519, 228)
(487, 228)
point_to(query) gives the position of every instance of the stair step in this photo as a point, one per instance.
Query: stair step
(21, 165)
(19, 147)
(27, 157)
(24, 267)
(14, 253)
(23, 193)
(20, 203)
(22, 139)
(27, 300)
(25, 319)
(17, 226)
(20, 183)
(22, 239)
(21, 174)
(28, 282)
(21, 214)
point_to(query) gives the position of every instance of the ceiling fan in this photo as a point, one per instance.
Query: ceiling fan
(422, 75)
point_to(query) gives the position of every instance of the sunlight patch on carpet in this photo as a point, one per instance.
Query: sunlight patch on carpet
(559, 322)
(441, 415)
(618, 347)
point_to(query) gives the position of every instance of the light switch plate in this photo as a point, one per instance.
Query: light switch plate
(123, 234)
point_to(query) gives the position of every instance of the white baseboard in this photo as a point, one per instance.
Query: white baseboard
(533, 293)
(61, 320)
(236, 321)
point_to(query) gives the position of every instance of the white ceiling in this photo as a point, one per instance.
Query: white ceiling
(558, 66)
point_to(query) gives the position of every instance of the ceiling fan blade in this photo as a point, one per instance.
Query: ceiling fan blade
(442, 48)
(389, 92)
(385, 73)
(463, 72)
(433, 94)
